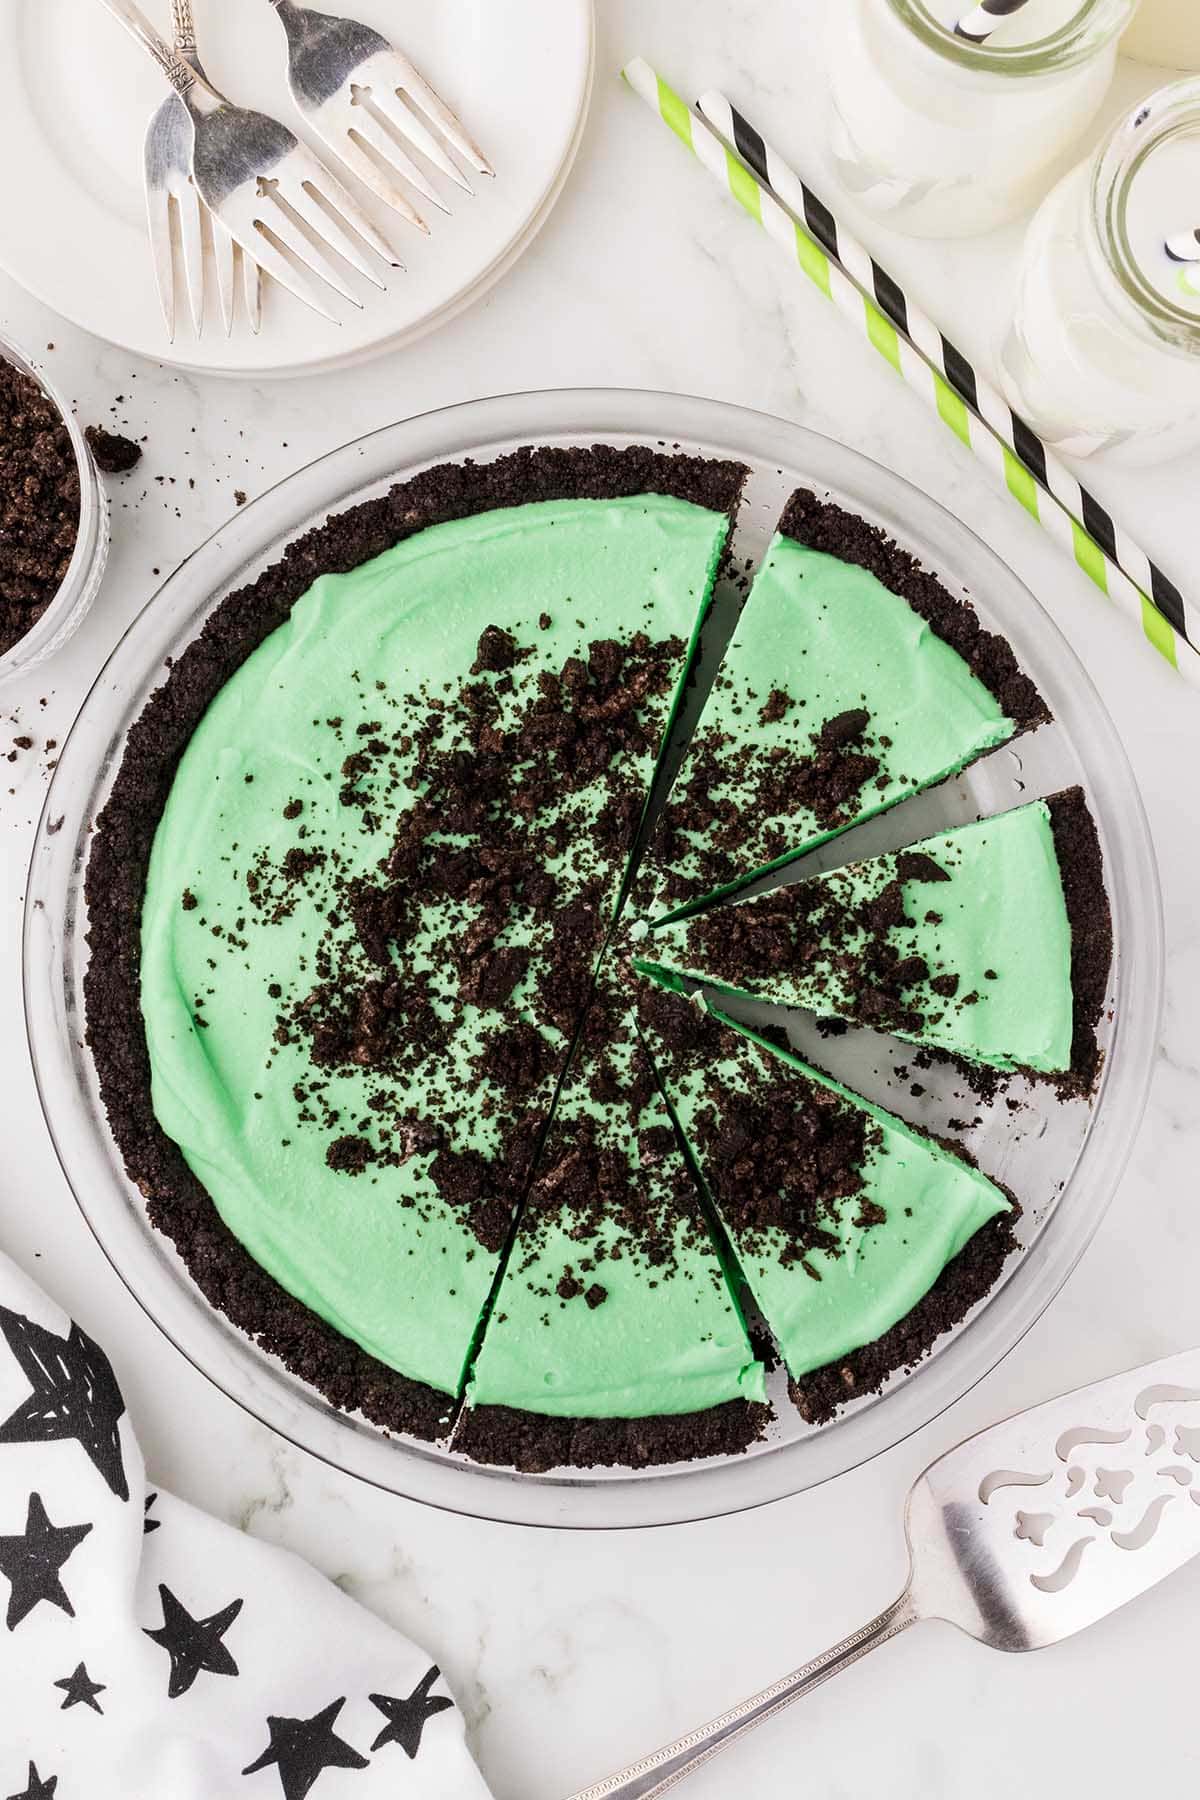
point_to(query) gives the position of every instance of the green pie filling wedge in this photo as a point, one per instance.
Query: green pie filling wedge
(615, 1304)
(842, 1218)
(368, 1190)
(400, 829)
(962, 942)
(853, 679)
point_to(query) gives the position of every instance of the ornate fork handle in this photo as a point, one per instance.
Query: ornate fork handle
(185, 27)
(654, 1775)
(178, 71)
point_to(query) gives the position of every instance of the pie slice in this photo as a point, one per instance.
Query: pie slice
(845, 1221)
(852, 680)
(615, 1336)
(351, 1164)
(383, 872)
(969, 942)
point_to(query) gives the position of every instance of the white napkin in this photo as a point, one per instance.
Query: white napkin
(148, 1652)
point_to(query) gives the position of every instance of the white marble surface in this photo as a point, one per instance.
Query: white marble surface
(572, 1653)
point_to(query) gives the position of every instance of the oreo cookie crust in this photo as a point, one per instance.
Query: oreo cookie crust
(1081, 864)
(177, 1203)
(960, 1287)
(534, 1443)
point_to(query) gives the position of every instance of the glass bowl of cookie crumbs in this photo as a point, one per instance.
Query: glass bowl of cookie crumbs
(53, 518)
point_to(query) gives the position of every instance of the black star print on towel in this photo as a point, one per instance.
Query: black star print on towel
(406, 1719)
(75, 1395)
(37, 1788)
(302, 1748)
(32, 1560)
(149, 1524)
(80, 1690)
(193, 1644)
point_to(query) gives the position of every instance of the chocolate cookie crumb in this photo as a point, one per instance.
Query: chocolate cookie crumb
(115, 455)
(495, 652)
(777, 703)
(917, 865)
(350, 1155)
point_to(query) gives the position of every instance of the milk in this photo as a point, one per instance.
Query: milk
(942, 138)
(1104, 348)
(1167, 32)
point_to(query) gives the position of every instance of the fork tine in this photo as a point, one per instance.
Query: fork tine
(319, 179)
(370, 127)
(348, 146)
(409, 126)
(252, 286)
(192, 238)
(258, 248)
(305, 199)
(224, 255)
(287, 232)
(432, 104)
(158, 217)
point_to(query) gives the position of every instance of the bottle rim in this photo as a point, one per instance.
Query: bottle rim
(1165, 117)
(1090, 29)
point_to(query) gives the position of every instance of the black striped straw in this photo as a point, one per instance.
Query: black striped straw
(1099, 542)
(1184, 246)
(978, 25)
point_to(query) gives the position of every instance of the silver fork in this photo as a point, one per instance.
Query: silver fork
(170, 137)
(350, 84)
(269, 192)
(1021, 1536)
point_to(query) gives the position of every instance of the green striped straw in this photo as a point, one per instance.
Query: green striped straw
(1006, 469)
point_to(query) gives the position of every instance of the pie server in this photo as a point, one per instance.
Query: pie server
(1022, 1535)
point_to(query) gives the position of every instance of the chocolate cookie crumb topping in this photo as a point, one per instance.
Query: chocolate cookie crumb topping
(114, 455)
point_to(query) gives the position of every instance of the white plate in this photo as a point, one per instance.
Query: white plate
(75, 97)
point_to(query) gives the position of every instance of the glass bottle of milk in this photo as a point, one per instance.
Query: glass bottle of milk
(943, 136)
(1104, 349)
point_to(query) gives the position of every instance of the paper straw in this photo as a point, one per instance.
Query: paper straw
(813, 244)
(1184, 246)
(979, 24)
(978, 394)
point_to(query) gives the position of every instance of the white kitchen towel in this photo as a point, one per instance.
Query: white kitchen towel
(148, 1652)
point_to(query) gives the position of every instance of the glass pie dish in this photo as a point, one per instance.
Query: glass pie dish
(1063, 1158)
